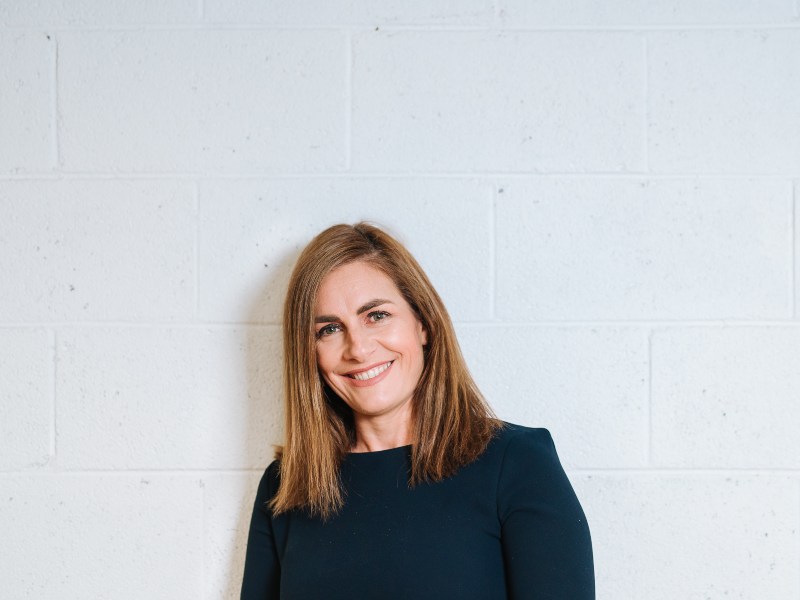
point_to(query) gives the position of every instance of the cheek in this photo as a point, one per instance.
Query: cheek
(413, 349)
(325, 360)
(326, 377)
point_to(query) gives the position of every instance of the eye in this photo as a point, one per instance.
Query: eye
(378, 315)
(327, 330)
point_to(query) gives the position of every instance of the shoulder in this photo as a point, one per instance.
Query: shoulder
(527, 453)
(531, 472)
(268, 485)
(517, 440)
(519, 452)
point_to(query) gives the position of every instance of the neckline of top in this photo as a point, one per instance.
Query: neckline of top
(375, 452)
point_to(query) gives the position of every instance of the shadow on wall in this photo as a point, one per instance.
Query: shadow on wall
(265, 414)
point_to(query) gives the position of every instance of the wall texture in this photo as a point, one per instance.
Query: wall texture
(604, 193)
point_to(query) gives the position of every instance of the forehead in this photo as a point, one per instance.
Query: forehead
(354, 284)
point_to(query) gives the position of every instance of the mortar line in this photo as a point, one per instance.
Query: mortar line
(406, 174)
(788, 472)
(141, 325)
(632, 323)
(664, 471)
(646, 111)
(628, 324)
(591, 28)
(795, 247)
(53, 391)
(797, 542)
(54, 104)
(492, 251)
(203, 538)
(348, 101)
(410, 28)
(196, 250)
(136, 472)
(209, 26)
(649, 412)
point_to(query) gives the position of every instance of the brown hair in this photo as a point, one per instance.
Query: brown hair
(452, 421)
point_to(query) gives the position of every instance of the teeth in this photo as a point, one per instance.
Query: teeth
(372, 372)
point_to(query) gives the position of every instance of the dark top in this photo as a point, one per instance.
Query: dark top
(508, 525)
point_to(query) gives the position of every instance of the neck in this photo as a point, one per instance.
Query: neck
(383, 432)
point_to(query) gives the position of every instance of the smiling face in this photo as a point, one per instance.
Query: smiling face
(368, 340)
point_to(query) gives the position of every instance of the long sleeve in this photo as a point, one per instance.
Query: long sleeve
(262, 571)
(547, 549)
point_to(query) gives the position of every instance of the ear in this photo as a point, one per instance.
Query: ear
(424, 334)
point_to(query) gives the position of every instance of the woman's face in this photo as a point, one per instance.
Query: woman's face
(368, 339)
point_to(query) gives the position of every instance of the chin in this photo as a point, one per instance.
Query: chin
(375, 409)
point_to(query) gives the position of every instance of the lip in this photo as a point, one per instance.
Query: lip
(357, 371)
(368, 382)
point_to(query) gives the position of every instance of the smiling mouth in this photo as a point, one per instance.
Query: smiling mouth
(372, 372)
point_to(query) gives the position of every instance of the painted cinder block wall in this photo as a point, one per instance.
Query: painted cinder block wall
(604, 193)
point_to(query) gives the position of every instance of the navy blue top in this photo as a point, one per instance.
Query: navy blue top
(508, 525)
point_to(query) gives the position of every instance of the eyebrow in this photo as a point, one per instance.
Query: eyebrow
(363, 309)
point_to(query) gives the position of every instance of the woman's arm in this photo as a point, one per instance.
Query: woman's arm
(547, 549)
(262, 571)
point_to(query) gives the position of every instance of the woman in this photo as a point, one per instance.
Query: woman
(395, 480)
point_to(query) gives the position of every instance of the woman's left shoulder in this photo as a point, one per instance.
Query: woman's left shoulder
(531, 473)
(525, 448)
(517, 449)
(518, 438)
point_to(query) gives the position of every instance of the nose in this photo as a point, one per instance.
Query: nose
(358, 345)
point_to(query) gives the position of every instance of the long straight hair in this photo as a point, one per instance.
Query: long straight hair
(452, 421)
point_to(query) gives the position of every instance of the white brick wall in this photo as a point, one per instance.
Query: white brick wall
(97, 250)
(668, 535)
(442, 102)
(605, 195)
(102, 535)
(587, 384)
(203, 101)
(26, 69)
(253, 230)
(724, 101)
(27, 411)
(636, 249)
